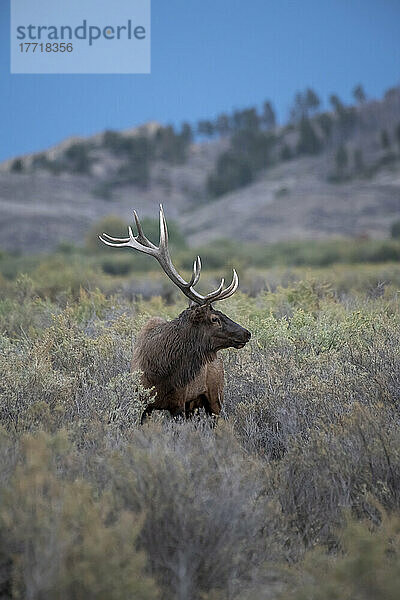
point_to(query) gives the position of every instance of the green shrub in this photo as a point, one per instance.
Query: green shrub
(62, 540)
(119, 265)
(65, 376)
(112, 225)
(368, 568)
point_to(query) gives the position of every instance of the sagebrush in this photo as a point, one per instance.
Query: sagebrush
(303, 463)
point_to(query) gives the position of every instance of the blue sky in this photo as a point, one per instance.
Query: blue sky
(209, 56)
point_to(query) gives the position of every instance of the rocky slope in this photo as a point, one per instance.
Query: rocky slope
(290, 199)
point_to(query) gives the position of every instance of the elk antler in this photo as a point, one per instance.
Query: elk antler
(161, 253)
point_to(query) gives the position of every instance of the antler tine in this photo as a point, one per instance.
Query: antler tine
(141, 238)
(116, 242)
(196, 272)
(195, 275)
(213, 295)
(231, 289)
(130, 241)
(163, 245)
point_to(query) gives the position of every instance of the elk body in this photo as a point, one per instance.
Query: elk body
(179, 357)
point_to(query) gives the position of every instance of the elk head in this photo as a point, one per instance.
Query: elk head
(217, 329)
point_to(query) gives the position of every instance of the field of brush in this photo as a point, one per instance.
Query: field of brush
(294, 495)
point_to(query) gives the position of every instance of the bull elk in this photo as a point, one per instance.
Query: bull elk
(179, 358)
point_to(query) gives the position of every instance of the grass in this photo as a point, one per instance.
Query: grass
(98, 260)
(296, 492)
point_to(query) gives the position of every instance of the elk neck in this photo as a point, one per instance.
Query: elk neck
(187, 348)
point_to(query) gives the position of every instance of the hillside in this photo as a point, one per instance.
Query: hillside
(294, 191)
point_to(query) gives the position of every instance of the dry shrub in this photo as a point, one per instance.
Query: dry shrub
(367, 568)
(66, 376)
(61, 540)
(211, 518)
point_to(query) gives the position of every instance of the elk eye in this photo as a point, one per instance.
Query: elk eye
(215, 320)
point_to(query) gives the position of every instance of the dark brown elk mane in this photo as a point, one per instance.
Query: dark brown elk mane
(172, 353)
(179, 358)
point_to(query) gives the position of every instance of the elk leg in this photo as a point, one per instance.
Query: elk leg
(192, 407)
(146, 413)
(177, 412)
(175, 403)
(189, 410)
(215, 387)
(212, 416)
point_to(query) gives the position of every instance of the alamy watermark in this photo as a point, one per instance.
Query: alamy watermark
(80, 36)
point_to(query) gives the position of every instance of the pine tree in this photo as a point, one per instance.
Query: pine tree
(312, 101)
(397, 134)
(222, 124)
(358, 160)
(385, 140)
(304, 104)
(325, 122)
(250, 119)
(269, 118)
(205, 128)
(186, 133)
(359, 94)
(309, 142)
(286, 152)
(341, 159)
(337, 104)
(299, 109)
(17, 166)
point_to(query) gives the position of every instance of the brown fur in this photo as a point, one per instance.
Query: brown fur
(179, 359)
